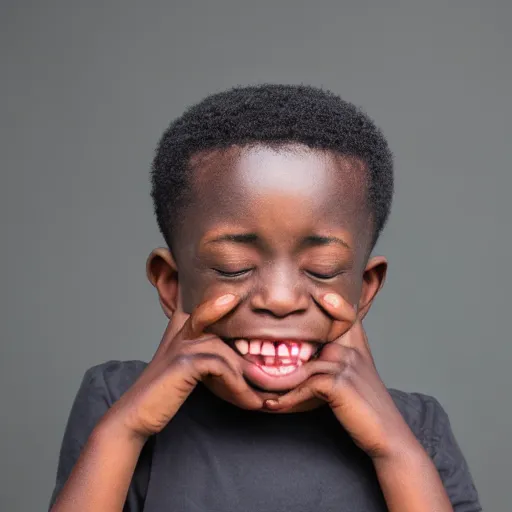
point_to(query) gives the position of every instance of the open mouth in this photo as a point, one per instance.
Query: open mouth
(276, 357)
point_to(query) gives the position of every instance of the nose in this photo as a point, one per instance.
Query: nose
(280, 293)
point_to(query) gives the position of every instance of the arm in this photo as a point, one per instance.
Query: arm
(421, 477)
(101, 386)
(410, 482)
(101, 477)
(344, 375)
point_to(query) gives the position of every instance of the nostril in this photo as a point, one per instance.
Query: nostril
(278, 314)
(279, 305)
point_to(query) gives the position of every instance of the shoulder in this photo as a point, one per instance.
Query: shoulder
(101, 386)
(430, 423)
(424, 414)
(113, 377)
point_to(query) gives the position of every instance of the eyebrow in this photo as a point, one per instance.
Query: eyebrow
(325, 240)
(253, 239)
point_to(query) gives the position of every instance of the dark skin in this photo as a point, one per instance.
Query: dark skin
(302, 270)
(292, 201)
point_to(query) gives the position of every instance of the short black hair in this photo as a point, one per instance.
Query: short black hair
(273, 114)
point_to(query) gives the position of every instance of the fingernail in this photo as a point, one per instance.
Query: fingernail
(271, 403)
(332, 299)
(225, 299)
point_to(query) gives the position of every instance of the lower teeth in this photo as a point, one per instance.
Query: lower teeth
(280, 370)
(277, 361)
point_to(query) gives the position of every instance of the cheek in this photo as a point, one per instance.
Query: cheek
(196, 287)
(188, 301)
(352, 288)
(348, 286)
(192, 290)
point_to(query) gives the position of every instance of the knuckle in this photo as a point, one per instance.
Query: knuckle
(212, 364)
(183, 360)
(345, 377)
(348, 374)
(193, 325)
(196, 345)
(322, 387)
(351, 357)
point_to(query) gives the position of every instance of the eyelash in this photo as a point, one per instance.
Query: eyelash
(324, 277)
(239, 273)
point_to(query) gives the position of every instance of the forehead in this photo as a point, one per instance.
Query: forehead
(294, 185)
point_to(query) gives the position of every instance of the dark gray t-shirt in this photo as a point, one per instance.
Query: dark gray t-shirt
(215, 457)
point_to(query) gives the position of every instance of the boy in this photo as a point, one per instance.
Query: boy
(263, 394)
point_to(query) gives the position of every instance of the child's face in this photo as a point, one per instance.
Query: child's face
(288, 224)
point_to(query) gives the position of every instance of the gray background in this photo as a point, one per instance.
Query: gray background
(88, 88)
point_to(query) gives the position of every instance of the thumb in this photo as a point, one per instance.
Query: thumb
(175, 324)
(179, 317)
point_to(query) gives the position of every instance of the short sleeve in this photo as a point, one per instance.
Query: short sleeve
(452, 465)
(101, 386)
(430, 424)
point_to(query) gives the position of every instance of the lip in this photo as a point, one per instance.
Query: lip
(255, 375)
(274, 383)
(275, 337)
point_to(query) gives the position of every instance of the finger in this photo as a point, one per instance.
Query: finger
(318, 376)
(351, 365)
(215, 359)
(356, 338)
(213, 345)
(335, 358)
(192, 326)
(178, 319)
(239, 391)
(338, 308)
(174, 326)
(207, 313)
(352, 332)
(334, 353)
(338, 376)
(319, 386)
(169, 334)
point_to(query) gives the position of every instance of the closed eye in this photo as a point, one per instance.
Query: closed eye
(324, 277)
(238, 273)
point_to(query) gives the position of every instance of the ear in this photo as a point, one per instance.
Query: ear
(162, 273)
(373, 280)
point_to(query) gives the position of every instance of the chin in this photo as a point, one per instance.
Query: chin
(308, 405)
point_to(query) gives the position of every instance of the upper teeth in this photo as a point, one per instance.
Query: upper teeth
(302, 349)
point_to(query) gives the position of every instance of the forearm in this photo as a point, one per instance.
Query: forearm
(410, 482)
(102, 475)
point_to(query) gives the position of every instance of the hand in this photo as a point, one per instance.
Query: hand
(346, 378)
(185, 356)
